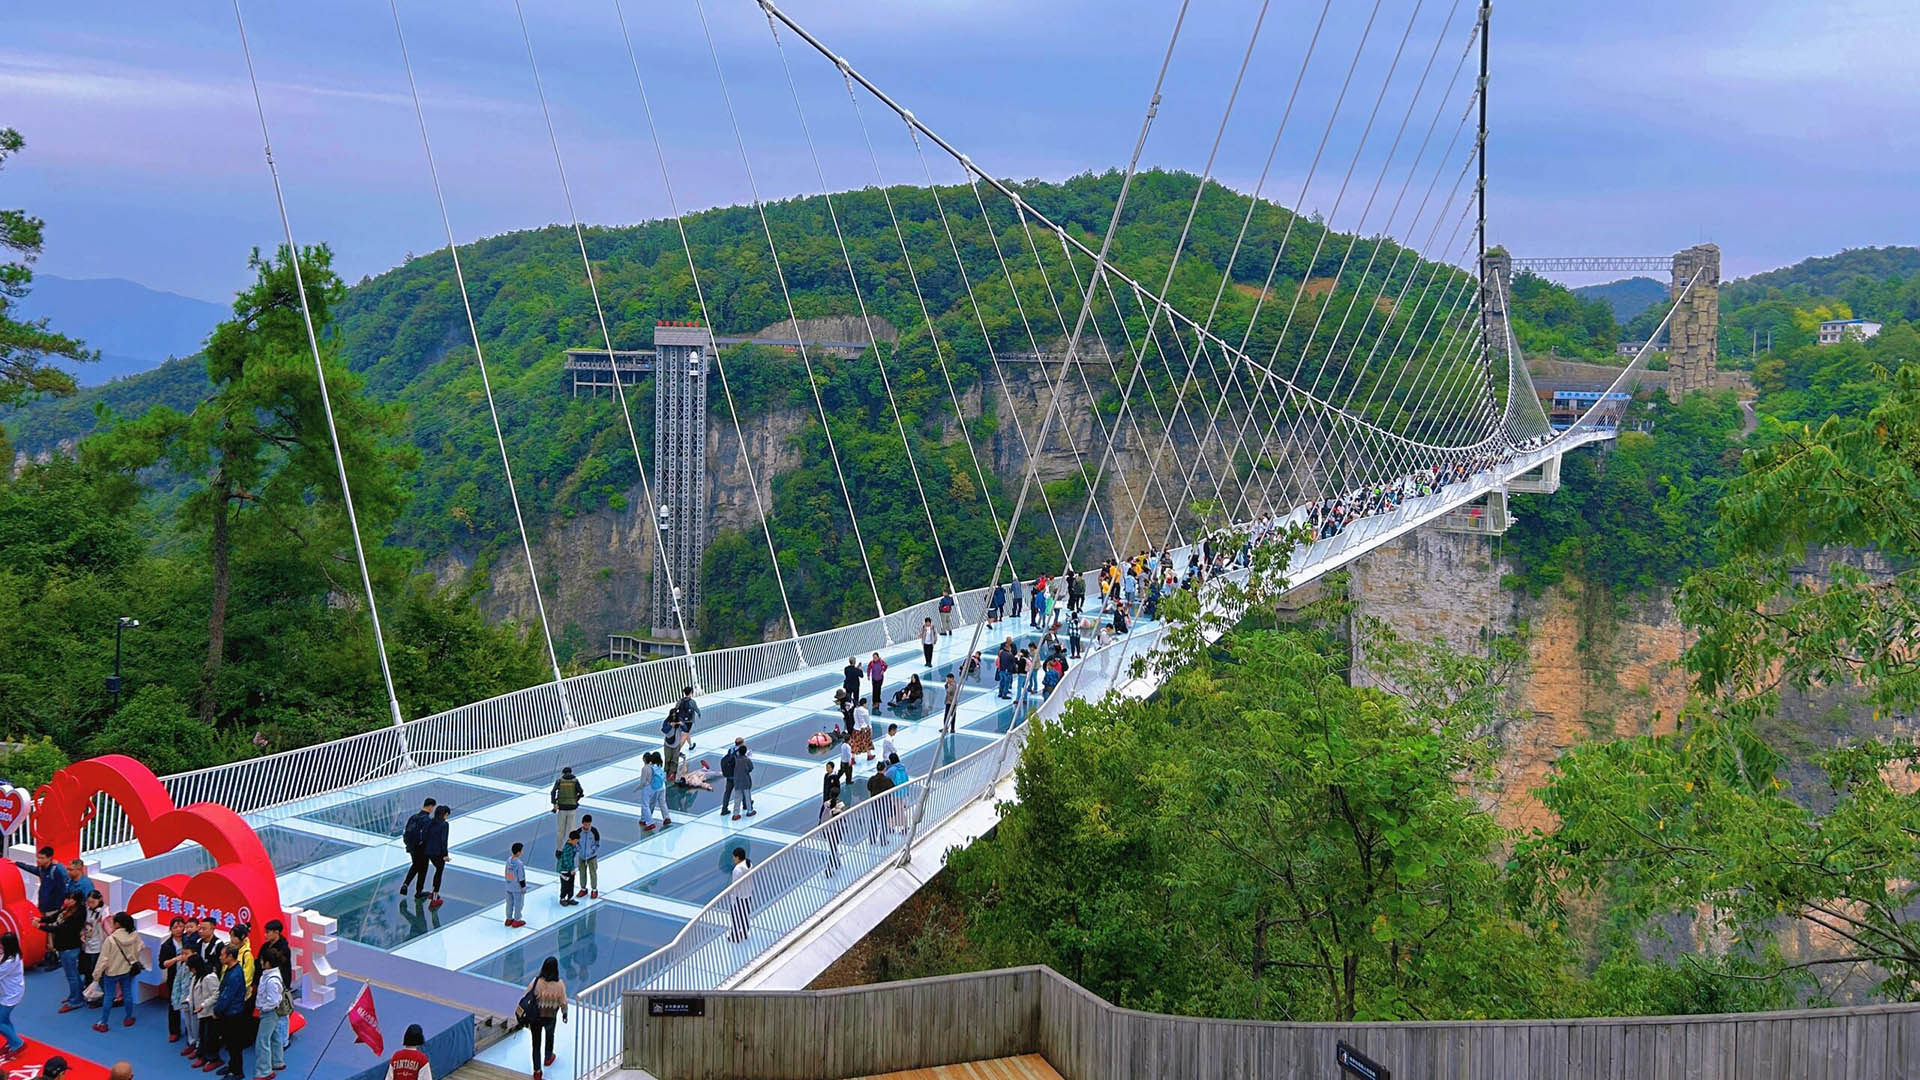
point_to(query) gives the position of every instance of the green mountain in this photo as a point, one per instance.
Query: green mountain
(406, 332)
(1627, 297)
(1876, 282)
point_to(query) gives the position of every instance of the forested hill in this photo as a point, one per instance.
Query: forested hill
(404, 330)
(1876, 282)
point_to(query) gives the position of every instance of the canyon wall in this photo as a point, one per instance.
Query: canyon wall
(595, 567)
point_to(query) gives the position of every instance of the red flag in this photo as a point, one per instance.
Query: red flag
(365, 1024)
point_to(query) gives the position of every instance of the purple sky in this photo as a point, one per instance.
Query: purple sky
(1776, 129)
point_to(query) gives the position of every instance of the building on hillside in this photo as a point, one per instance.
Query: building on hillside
(1629, 348)
(1835, 331)
(1566, 402)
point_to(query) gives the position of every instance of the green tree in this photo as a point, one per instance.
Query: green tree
(26, 345)
(1705, 820)
(269, 499)
(1264, 839)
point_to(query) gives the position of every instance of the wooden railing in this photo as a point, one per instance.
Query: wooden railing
(832, 1034)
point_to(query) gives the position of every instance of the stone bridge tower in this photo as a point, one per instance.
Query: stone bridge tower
(1693, 335)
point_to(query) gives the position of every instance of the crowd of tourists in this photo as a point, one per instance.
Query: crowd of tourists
(223, 1000)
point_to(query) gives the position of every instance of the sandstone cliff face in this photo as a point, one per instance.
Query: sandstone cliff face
(595, 567)
(1597, 667)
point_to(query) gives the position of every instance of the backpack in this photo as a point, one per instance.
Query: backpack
(946, 603)
(726, 765)
(415, 834)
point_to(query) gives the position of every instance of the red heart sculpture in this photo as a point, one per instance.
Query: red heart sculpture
(13, 807)
(240, 887)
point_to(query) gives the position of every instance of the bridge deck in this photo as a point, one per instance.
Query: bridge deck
(340, 854)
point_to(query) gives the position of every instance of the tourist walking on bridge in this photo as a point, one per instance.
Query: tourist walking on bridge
(946, 614)
(951, 707)
(742, 901)
(414, 839)
(567, 793)
(589, 857)
(549, 993)
(13, 990)
(742, 779)
(516, 886)
(436, 847)
(928, 638)
(850, 678)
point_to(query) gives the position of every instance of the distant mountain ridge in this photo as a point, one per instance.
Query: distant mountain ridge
(1627, 297)
(135, 328)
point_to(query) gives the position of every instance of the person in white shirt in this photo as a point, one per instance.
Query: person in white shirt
(846, 762)
(742, 900)
(928, 637)
(887, 749)
(13, 990)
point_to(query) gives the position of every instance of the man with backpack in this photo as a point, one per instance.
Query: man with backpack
(739, 778)
(565, 797)
(686, 710)
(946, 614)
(414, 837)
(728, 762)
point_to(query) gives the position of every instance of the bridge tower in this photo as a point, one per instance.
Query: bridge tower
(1496, 278)
(681, 353)
(1693, 335)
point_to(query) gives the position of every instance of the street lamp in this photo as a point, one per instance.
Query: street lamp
(113, 680)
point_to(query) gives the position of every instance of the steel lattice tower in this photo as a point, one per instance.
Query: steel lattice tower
(680, 469)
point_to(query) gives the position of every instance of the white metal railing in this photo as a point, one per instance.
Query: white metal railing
(790, 887)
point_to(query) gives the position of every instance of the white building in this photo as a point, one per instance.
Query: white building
(1834, 331)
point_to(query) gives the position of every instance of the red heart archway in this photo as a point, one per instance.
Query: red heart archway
(240, 887)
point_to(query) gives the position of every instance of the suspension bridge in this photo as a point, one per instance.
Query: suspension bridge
(1371, 387)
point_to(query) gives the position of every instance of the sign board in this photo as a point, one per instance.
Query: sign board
(1354, 1062)
(676, 1006)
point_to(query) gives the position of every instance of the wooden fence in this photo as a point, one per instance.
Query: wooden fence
(833, 1034)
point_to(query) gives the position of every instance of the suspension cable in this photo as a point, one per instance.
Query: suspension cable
(326, 398)
(480, 360)
(606, 336)
(1193, 210)
(853, 516)
(933, 334)
(879, 356)
(719, 362)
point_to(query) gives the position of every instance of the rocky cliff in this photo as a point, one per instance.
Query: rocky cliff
(1599, 665)
(595, 567)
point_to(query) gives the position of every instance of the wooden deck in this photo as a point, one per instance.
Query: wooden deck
(1024, 1067)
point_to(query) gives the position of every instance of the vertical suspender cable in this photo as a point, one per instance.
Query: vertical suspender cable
(700, 295)
(606, 337)
(853, 516)
(326, 399)
(926, 316)
(1073, 343)
(480, 359)
(866, 319)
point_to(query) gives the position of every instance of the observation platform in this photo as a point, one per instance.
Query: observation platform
(341, 855)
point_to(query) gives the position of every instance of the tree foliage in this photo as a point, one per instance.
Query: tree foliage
(1704, 819)
(26, 345)
(1263, 839)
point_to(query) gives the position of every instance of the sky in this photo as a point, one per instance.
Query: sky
(1774, 128)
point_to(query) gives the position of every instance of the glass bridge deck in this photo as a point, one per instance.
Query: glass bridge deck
(340, 854)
